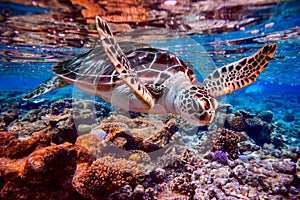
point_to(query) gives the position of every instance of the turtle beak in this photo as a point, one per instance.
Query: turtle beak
(208, 115)
(205, 118)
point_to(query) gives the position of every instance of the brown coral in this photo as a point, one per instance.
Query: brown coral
(161, 138)
(92, 142)
(10, 147)
(39, 170)
(104, 176)
(227, 141)
(132, 137)
(238, 123)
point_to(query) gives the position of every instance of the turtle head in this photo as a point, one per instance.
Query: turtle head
(196, 105)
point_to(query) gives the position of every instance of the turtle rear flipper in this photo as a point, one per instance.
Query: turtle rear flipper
(121, 63)
(239, 74)
(50, 84)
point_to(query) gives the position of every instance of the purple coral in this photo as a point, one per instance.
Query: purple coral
(220, 157)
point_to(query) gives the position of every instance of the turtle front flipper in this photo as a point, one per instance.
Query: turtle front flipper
(121, 63)
(239, 74)
(50, 84)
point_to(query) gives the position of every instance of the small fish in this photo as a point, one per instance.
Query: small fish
(99, 132)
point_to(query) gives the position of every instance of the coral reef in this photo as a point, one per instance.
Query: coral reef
(69, 171)
(14, 148)
(227, 141)
(238, 123)
(266, 116)
(93, 143)
(220, 157)
(204, 179)
(258, 127)
(129, 134)
(104, 176)
(63, 120)
(118, 157)
(55, 121)
(34, 169)
(6, 118)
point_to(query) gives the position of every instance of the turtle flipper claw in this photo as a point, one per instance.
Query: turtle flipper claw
(239, 74)
(121, 63)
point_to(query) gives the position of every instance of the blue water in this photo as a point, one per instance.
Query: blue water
(24, 63)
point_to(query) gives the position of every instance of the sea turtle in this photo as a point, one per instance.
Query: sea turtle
(140, 78)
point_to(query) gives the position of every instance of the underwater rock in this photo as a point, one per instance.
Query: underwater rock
(86, 114)
(60, 120)
(244, 113)
(119, 134)
(298, 169)
(238, 180)
(58, 107)
(254, 122)
(161, 138)
(286, 166)
(44, 171)
(266, 116)
(54, 121)
(258, 127)
(104, 176)
(122, 193)
(289, 117)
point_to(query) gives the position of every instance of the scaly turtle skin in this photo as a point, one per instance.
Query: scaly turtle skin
(139, 78)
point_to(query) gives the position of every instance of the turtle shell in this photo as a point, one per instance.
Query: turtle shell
(152, 65)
